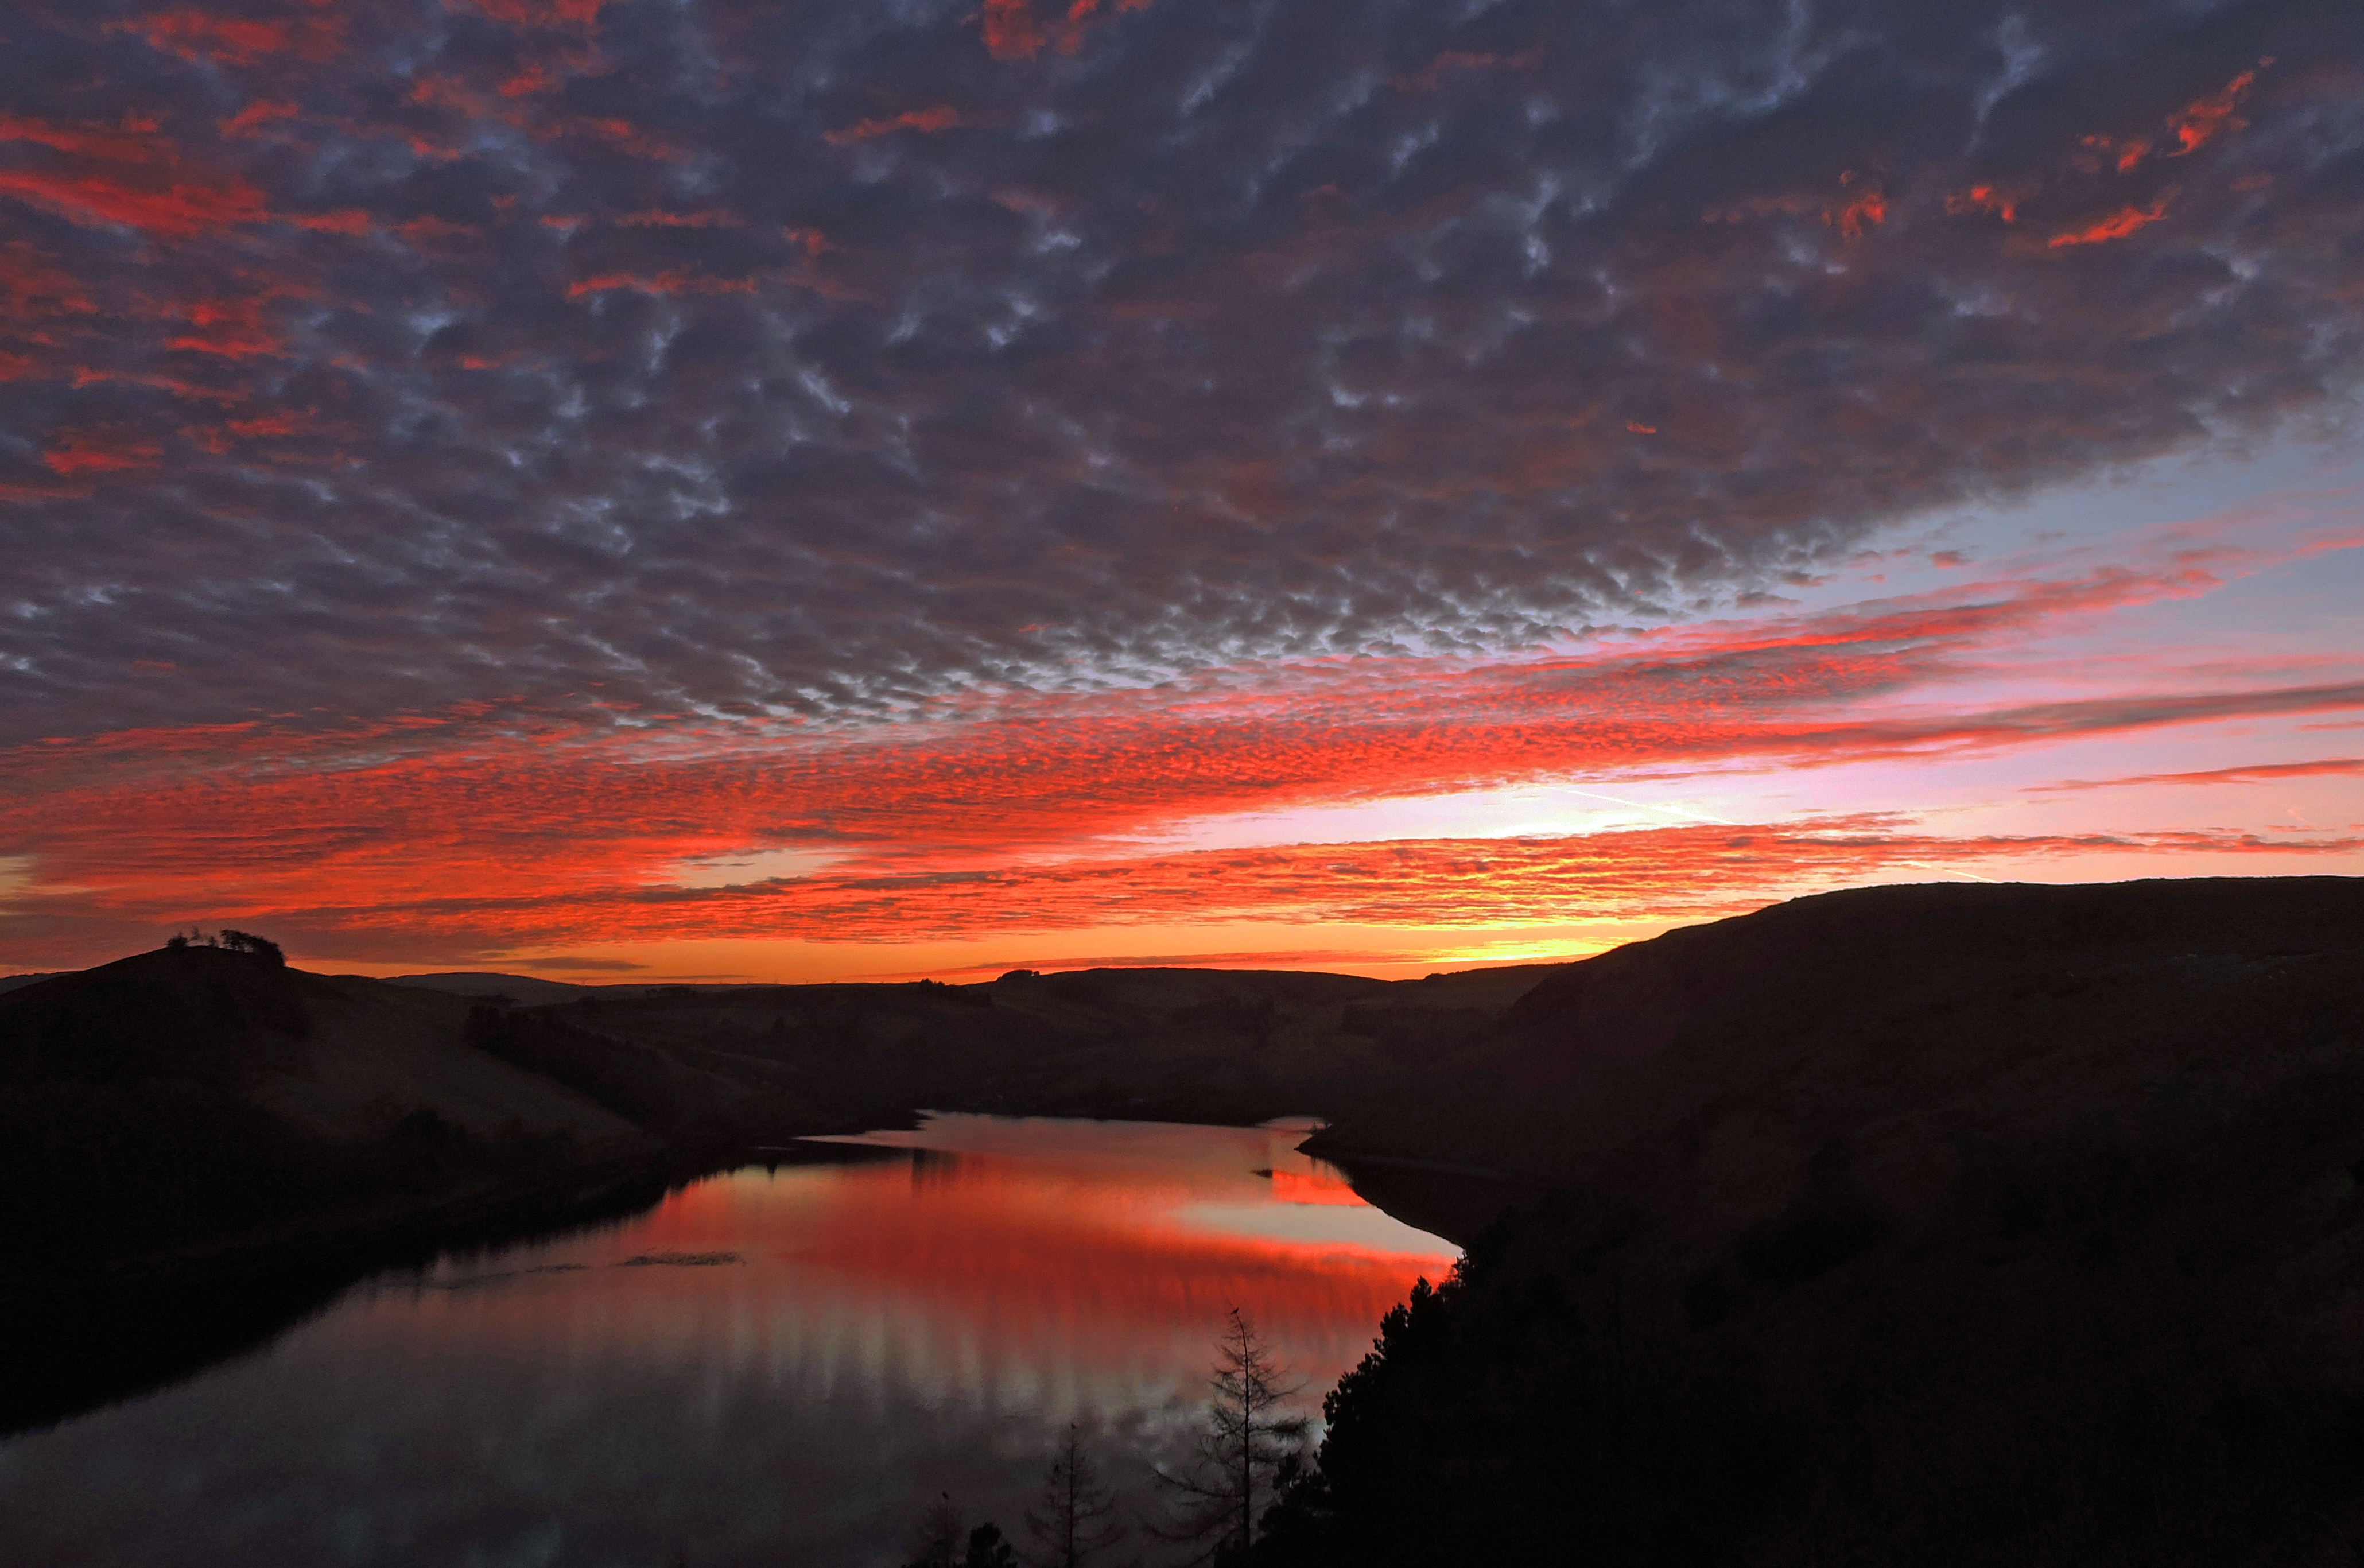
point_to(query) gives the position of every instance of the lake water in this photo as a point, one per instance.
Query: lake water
(777, 1365)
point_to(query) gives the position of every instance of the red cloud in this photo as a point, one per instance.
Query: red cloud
(1984, 198)
(127, 174)
(198, 35)
(1869, 207)
(350, 220)
(195, 34)
(662, 282)
(712, 218)
(233, 329)
(530, 14)
(260, 113)
(996, 813)
(428, 229)
(2117, 225)
(100, 451)
(1013, 31)
(2204, 119)
(940, 118)
(176, 210)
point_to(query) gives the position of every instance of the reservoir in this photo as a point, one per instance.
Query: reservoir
(786, 1363)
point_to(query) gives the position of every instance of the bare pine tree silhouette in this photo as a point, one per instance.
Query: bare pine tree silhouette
(1076, 1523)
(1241, 1452)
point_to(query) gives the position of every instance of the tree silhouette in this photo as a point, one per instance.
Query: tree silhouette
(1242, 1451)
(938, 1542)
(987, 1550)
(247, 942)
(1076, 1523)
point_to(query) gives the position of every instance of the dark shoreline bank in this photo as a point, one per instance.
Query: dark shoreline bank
(99, 1340)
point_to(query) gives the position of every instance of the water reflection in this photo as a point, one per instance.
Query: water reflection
(777, 1365)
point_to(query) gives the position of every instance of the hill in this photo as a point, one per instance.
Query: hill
(1936, 1224)
(1226, 1046)
(1927, 1028)
(487, 985)
(176, 1104)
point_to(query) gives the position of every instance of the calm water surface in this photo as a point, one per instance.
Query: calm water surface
(772, 1366)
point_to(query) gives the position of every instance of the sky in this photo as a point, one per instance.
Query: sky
(757, 490)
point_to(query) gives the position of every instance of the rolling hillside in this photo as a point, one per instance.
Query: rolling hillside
(1937, 1224)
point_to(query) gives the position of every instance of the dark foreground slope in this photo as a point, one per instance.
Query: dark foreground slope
(196, 1125)
(1930, 1224)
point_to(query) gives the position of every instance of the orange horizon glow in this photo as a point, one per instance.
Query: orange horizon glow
(502, 488)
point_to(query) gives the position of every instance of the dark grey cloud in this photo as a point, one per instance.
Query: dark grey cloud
(816, 359)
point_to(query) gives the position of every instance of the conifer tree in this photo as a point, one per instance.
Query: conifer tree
(1240, 1450)
(1076, 1523)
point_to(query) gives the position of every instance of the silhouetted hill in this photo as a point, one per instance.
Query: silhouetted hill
(18, 982)
(484, 984)
(1236, 1046)
(1922, 1026)
(1936, 1224)
(182, 1101)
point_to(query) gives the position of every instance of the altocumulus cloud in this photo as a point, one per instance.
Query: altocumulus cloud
(816, 360)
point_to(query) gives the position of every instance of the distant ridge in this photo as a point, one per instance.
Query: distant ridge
(535, 992)
(484, 982)
(18, 982)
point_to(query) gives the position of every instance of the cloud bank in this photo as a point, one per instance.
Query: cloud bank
(814, 360)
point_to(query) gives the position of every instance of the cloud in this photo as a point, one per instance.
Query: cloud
(433, 431)
(943, 118)
(2256, 772)
(1319, 333)
(489, 827)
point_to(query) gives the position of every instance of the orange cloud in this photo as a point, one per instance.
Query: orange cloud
(2258, 773)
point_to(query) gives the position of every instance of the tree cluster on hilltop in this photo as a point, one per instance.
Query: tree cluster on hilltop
(229, 940)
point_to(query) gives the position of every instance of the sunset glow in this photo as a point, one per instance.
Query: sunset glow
(727, 490)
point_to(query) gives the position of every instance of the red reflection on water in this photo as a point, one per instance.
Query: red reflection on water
(1321, 1187)
(1092, 1274)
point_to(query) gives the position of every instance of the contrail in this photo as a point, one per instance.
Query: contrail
(1645, 806)
(1952, 870)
